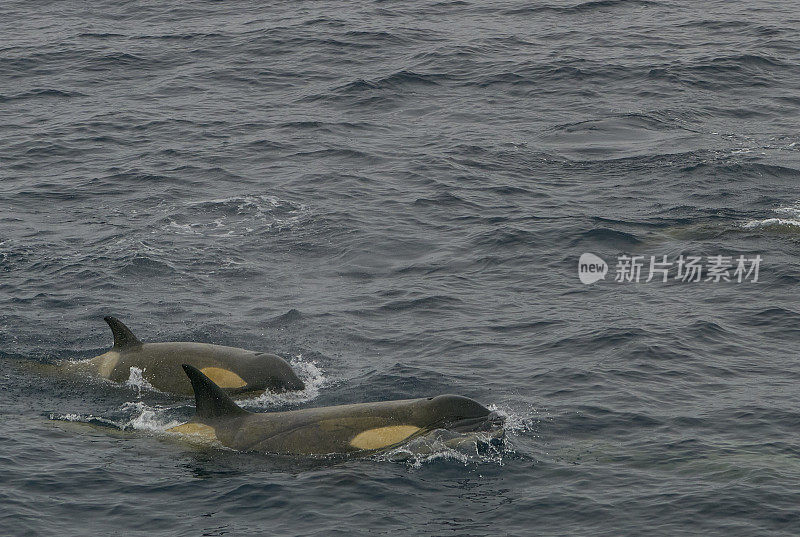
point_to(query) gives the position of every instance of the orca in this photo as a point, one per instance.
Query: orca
(361, 428)
(238, 371)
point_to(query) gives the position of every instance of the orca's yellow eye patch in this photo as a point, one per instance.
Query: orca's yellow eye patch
(195, 429)
(223, 378)
(382, 437)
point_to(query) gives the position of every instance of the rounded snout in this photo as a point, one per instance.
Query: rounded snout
(286, 382)
(283, 378)
(293, 383)
(462, 414)
(289, 379)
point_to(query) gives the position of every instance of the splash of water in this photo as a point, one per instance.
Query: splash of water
(137, 416)
(311, 375)
(137, 381)
(146, 418)
(87, 419)
(442, 444)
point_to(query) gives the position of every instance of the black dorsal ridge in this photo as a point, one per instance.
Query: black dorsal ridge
(123, 337)
(210, 401)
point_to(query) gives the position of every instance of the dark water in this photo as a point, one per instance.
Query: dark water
(395, 195)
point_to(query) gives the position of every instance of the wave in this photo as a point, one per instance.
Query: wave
(787, 222)
(608, 237)
(776, 318)
(188, 36)
(431, 303)
(40, 93)
(777, 224)
(137, 416)
(398, 80)
(581, 7)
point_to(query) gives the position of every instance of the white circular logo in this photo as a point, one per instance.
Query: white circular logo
(591, 268)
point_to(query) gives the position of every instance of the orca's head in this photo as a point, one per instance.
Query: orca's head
(460, 414)
(283, 377)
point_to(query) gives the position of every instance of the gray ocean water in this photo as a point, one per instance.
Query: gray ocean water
(394, 196)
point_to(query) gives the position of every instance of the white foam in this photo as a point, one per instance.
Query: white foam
(771, 222)
(445, 453)
(66, 417)
(789, 218)
(186, 229)
(234, 215)
(147, 418)
(138, 417)
(88, 419)
(791, 211)
(441, 445)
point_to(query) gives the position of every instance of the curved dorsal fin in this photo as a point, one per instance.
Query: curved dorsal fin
(209, 399)
(123, 337)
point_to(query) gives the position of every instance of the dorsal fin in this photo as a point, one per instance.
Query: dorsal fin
(209, 399)
(123, 337)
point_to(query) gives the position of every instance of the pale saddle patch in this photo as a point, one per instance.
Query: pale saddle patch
(382, 437)
(223, 378)
(195, 429)
(106, 363)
